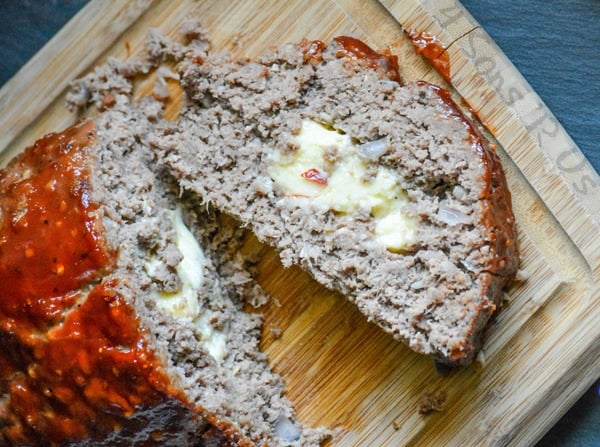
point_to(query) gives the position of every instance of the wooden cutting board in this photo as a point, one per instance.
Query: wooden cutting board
(542, 352)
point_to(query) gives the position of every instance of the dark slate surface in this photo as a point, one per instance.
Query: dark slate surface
(26, 25)
(554, 44)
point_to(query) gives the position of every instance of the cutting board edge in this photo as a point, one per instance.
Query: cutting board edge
(577, 213)
(19, 91)
(555, 407)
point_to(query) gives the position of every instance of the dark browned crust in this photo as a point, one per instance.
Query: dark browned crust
(170, 423)
(165, 418)
(499, 223)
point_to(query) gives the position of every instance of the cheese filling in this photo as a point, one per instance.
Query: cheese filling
(183, 304)
(328, 170)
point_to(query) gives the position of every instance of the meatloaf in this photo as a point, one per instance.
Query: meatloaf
(383, 191)
(116, 327)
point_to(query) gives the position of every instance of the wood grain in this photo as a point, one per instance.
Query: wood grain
(541, 352)
(68, 55)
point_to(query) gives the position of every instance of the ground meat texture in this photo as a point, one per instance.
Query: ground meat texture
(87, 354)
(435, 294)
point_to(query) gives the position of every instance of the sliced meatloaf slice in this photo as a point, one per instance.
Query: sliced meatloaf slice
(115, 326)
(383, 191)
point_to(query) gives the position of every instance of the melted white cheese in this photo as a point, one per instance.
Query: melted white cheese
(184, 303)
(340, 182)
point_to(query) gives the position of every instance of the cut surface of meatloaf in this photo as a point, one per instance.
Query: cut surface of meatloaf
(115, 326)
(381, 190)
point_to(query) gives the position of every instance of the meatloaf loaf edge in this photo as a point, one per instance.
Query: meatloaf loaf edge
(115, 326)
(383, 191)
